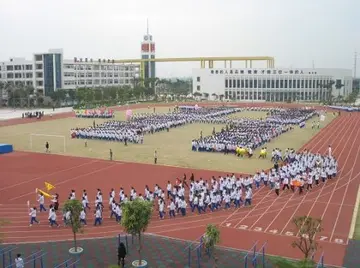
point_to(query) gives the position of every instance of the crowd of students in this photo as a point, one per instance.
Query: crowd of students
(140, 124)
(292, 171)
(251, 133)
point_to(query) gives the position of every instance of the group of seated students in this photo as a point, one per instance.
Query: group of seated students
(36, 114)
(94, 113)
(290, 116)
(147, 123)
(248, 134)
(297, 172)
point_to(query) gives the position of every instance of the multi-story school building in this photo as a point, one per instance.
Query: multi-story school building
(271, 84)
(49, 71)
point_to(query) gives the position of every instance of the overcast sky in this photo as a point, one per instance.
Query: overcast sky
(294, 32)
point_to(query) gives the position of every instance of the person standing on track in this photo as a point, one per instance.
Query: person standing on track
(330, 150)
(111, 155)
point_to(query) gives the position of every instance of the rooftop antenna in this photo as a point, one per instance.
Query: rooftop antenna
(313, 64)
(147, 26)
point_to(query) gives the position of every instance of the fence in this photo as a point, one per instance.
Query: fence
(29, 261)
(194, 247)
(70, 263)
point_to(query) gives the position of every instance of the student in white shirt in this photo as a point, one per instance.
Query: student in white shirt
(172, 209)
(19, 262)
(32, 215)
(248, 197)
(118, 212)
(277, 188)
(161, 209)
(98, 217)
(83, 217)
(41, 201)
(168, 189)
(52, 218)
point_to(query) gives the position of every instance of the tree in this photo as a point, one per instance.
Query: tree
(75, 207)
(136, 218)
(308, 228)
(211, 239)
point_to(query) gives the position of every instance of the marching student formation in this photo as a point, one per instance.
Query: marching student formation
(292, 171)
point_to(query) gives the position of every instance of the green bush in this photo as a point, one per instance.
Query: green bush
(279, 262)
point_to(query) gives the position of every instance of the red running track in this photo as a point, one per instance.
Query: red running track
(268, 220)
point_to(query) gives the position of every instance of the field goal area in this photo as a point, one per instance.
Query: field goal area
(57, 143)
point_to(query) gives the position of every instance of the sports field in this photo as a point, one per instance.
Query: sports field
(174, 148)
(268, 221)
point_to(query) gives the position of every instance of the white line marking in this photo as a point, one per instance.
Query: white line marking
(72, 179)
(354, 216)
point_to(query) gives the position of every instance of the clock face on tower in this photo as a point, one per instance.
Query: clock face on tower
(145, 37)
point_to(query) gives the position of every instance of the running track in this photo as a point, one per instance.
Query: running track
(268, 220)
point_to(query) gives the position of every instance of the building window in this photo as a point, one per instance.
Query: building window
(198, 79)
(230, 83)
(17, 67)
(242, 83)
(17, 75)
(198, 88)
(28, 67)
(38, 58)
(226, 83)
(9, 68)
(238, 83)
(10, 75)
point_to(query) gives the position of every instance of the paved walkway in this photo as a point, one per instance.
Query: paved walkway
(159, 252)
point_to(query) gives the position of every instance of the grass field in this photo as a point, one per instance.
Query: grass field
(356, 234)
(174, 148)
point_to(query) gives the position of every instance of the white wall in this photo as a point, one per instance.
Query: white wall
(208, 83)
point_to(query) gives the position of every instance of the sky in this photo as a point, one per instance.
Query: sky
(296, 33)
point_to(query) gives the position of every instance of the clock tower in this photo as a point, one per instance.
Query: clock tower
(148, 52)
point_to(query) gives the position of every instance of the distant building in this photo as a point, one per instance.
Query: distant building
(271, 84)
(49, 71)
